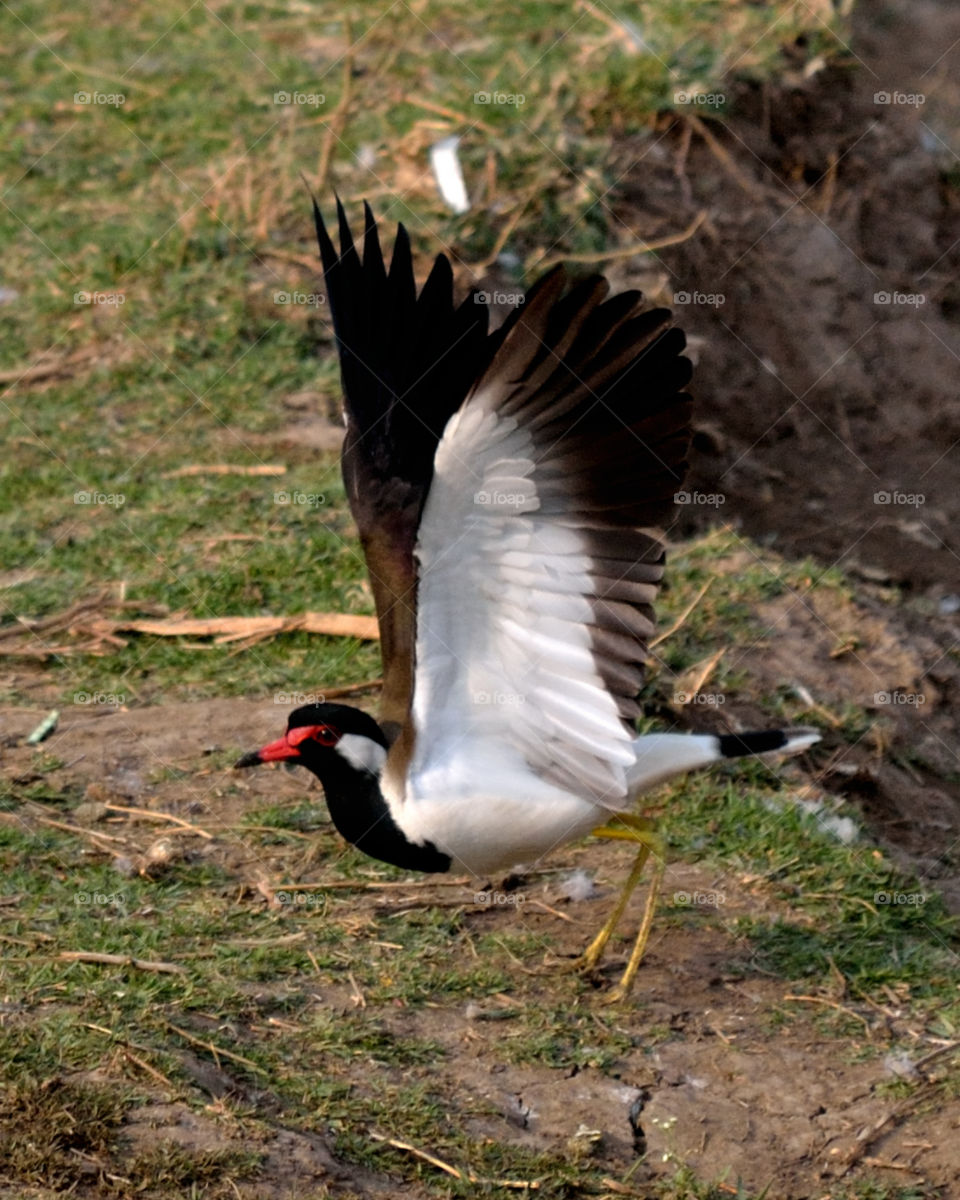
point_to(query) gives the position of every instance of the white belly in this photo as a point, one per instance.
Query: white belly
(486, 830)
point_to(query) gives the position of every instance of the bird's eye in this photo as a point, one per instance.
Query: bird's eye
(326, 735)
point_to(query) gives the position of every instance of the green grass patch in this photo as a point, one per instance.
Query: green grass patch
(850, 909)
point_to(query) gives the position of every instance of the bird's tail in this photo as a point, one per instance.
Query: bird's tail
(660, 756)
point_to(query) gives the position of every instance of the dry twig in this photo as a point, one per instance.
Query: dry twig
(468, 1176)
(441, 110)
(338, 117)
(121, 960)
(724, 157)
(225, 469)
(673, 239)
(46, 369)
(87, 622)
(160, 816)
(691, 681)
(681, 620)
(217, 1051)
(848, 1012)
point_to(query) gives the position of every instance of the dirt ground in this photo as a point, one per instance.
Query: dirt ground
(813, 398)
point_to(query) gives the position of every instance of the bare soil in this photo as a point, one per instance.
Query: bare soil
(815, 395)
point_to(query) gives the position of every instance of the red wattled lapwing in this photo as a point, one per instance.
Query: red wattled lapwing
(508, 489)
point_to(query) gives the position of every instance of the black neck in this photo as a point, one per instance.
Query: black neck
(362, 816)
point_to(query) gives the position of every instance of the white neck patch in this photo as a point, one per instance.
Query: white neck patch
(362, 752)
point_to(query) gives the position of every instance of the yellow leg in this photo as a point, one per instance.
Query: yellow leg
(636, 957)
(633, 829)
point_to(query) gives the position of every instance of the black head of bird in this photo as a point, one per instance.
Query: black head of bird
(346, 749)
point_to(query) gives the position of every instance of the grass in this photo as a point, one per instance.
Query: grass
(895, 932)
(47, 1128)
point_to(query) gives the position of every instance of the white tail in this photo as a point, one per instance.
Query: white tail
(660, 756)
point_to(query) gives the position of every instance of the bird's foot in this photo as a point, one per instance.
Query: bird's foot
(587, 962)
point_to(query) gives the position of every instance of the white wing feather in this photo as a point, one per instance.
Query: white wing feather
(505, 674)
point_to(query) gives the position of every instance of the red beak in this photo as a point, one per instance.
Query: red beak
(275, 752)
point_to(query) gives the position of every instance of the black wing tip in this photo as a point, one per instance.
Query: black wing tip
(401, 260)
(371, 232)
(408, 354)
(328, 254)
(345, 234)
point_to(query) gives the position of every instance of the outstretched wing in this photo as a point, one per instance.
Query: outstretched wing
(538, 550)
(407, 362)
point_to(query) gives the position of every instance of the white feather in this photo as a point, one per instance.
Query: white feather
(362, 752)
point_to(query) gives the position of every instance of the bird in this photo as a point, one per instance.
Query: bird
(511, 488)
